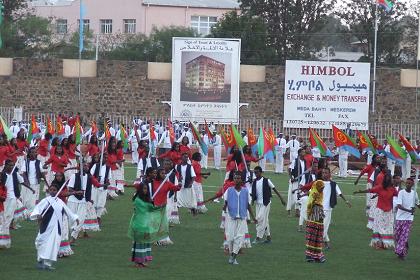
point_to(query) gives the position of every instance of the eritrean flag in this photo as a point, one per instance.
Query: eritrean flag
(409, 148)
(264, 146)
(316, 141)
(124, 136)
(107, 132)
(171, 132)
(206, 128)
(396, 152)
(226, 139)
(239, 141)
(252, 141)
(152, 131)
(379, 148)
(78, 131)
(200, 141)
(50, 127)
(94, 128)
(386, 4)
(59, 127)
(365, 142)
(4, 129)
(344, 141)
(33, 130)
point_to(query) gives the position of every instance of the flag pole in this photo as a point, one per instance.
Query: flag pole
(418, 55)
(374, 58)
(81, 30)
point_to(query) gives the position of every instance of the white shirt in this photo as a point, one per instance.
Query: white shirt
(407, 200)
(72, 198)
(302, 165)
(217, 141)
(184, 171)
(33, 180)
(303, 180)
(14, 129)
(342, 153)
(293, 145)
(327, 194)
(102, 174)
(165, 139)
(67, 130)
(281, 147)
(112, 131)
(148, 164)
(9, 185)
(316, 152)
(259, 189)
(189, 135)
(246, 139)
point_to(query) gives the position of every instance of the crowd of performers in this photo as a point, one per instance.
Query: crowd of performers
(78, 182)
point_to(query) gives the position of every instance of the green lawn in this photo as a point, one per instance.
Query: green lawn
(197, 252)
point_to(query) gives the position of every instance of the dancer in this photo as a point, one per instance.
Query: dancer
(197, 184)
(406, 202)
(297, 168)
(186, 196)
(315, 224)
(261, 194)
(49, 213)
(236, 206)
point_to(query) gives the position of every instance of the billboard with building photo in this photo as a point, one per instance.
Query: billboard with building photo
(320, 94)
(205, 79)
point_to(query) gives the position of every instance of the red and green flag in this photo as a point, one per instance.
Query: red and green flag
(59, 127)
(171, 132)
(206, 128)
(379, 148)
(225, 139)
(342, 140)
(409, 148)
(317, 142)
(33, 130)
(239, 141)
(252, 141)
(94, 128)
(107, 132)
(198, 138)
(4, 129)
(386, 4)
(152, 131)
(78, 131)
(124, 137)
(365, 143)
(264, 145)
(50, 127)
(396, 152)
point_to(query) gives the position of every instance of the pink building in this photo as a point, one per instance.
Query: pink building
(133, 16)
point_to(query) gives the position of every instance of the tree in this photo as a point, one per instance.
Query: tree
(156, 47)
(359, 15)
(253, 34)
(13, 8)
(289, 23)
(27, 36)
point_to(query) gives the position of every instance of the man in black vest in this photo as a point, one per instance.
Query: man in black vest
(297, 168)
(32, 173)
(331, 191)
(261, 194)
(81, 187)
(186, 196)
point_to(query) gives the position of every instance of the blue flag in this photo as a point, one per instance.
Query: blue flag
(81, 26)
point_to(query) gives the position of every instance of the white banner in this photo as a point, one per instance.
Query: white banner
(319, 94)
(205, 79)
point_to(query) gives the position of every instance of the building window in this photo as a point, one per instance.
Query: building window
(203, 24)
(86, 25)
(61, 26)
(106, 26)
(130, 26)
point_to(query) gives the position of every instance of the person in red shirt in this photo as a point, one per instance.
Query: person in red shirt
(22, 145)
(248, 155)
(4, 151)
(308, 157)
(70, 148)
(58, 161)
(120, 180)
(54, 143)
(93, 148)
(173, 154)
(43, 148)
(113, 163)
(14, 151)
(143, 149)
(183, 148)
(197, 184)
(160, 197)
(383, 226)
(234, 161)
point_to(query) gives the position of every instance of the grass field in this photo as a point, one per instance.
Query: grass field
(197, 252)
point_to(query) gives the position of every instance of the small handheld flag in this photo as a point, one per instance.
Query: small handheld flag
(344, 141)
(316, 141)
(409, 148)
(197, 137)
(4, 129)
(50, 127)
(396, 152)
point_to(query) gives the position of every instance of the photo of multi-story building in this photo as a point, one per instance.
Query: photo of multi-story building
(204, 73)
(204, 78)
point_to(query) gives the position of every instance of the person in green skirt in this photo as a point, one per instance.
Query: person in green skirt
(148, 223)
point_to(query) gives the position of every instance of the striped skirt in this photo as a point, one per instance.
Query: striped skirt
(402, 232)
(91, 220)
(314, 240)
(141, 252)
